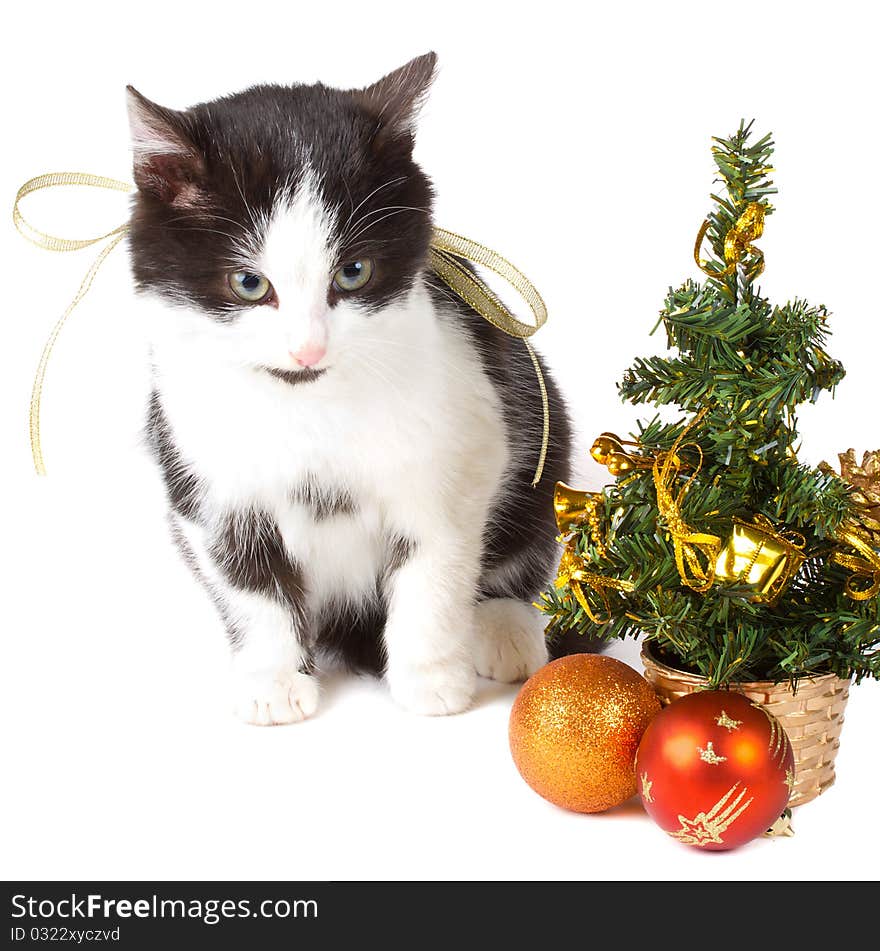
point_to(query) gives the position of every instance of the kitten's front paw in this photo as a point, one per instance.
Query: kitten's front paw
(510, 643)
(272, 697)
(435, 690)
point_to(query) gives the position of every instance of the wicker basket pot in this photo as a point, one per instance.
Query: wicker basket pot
(812, 717)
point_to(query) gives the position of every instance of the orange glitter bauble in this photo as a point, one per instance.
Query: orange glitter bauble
(575, 728)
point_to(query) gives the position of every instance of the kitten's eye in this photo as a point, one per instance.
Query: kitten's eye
(249, 286)
(354, 276)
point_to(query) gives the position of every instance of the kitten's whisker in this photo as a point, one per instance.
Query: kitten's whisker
(225, 234)
(401, 345)
(372, 224)
(199, 216)
(350, 199)
(244, 201)
(442, 289)
(373, 366)
(393, 181)
(348, 236)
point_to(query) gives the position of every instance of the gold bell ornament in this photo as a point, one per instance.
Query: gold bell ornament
(759, 557)
(576, 508)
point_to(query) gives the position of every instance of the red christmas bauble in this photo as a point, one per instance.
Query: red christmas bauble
(714, 769)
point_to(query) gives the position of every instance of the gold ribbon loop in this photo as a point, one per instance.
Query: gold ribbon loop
(864, 583)
(54, 180)
(448, 251)
(690, 546)
(572, 572)
(737, 242)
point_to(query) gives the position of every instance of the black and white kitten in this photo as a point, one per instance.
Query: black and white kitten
(347, 448)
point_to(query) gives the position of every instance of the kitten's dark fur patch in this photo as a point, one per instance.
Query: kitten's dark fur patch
(249, 551)
(400, 550)
(353, 634)
(181, 483)
(323, 501)
(234, 634)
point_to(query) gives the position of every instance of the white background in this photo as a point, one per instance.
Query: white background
(575, 139)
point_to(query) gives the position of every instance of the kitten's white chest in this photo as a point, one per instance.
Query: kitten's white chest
(415, 445)
(341, 553)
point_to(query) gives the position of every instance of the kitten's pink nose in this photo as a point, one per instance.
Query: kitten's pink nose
(309, 355)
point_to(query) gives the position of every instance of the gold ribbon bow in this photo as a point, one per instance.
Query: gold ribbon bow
(864, 583)
(447, 253)
(574, 573)
(737, 242)
(690, 546)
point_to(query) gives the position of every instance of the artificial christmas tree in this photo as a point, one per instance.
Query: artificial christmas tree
(736, 562)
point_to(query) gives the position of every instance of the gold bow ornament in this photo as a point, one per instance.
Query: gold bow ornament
(449, 256)
(864, 480)
(860, 533)
(760, 557)
(574, 573)
(696, 553)
(864, 582)
(737, 242)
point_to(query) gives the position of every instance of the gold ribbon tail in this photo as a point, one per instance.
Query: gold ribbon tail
(448, 251)
(53, 243)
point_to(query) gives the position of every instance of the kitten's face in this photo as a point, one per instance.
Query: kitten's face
(279, 220)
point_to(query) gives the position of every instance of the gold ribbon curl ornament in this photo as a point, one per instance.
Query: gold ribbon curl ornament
(448, 252)
(737, 242)
(864, 583)
(574, 573)
(696, 553)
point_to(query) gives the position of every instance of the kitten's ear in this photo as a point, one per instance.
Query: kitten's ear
(395, 99)
(167, 164)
